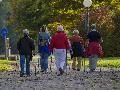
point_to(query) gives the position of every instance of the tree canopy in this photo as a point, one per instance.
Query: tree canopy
(32, 14)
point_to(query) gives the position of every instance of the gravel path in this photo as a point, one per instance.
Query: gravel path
(73, 80)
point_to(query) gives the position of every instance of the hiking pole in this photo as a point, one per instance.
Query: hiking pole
(51, 63)
(100, 66)
(84, 60)
(66, 62)
(35, 70)
(84, 64)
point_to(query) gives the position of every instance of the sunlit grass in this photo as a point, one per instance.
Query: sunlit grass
(5, 65)
(105, 62)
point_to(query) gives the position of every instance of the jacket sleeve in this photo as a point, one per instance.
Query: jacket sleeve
(32, 44)
(67, 42)
(51, 45)
(18, 45)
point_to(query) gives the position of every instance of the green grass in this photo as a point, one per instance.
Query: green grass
(105, 62)
(109, 63)
(5, 65)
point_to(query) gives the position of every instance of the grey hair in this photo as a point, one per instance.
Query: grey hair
(76, 31)
(26, 31)
(60, 28)
(93, 26)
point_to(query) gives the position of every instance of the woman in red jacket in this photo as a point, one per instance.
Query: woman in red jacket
(58, 45)
(77, 49)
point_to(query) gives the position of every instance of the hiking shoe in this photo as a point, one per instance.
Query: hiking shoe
(92, 70)
(28, 75)
(61, 71)
(58, 74)
(78, 69)
(21, 74)
(42, 71)
(73, 69)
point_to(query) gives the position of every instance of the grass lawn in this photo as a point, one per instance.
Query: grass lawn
(5, 65)
(105, 62)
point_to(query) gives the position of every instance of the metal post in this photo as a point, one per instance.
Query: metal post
(6, 56)
(87, 20)
(66, 62)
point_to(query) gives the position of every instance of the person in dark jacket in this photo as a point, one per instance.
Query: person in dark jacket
(77, 49)
(25, 47)
(94, 49)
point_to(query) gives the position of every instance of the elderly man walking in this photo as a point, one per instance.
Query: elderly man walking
(58, 45)
(25, 47)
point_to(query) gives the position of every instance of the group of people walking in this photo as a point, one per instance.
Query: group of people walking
(58, 45)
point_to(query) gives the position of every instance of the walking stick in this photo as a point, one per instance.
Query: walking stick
(66, 62)
(100, 67)
(38, 62)
(84, 60)
(51, 63)
(84, 64)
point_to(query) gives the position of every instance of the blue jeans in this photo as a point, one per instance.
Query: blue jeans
(22, 62)
(93, 62)
(44, 61)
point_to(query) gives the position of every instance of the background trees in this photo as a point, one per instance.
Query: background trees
(32, 14)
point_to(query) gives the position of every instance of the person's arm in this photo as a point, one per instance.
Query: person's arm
(67, 42)
(99, 37)
(81, 40)
(32, 44)
(51, 45)
(87, 40)
(18, 45)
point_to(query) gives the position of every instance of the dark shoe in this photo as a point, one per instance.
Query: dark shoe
(78, 69)
(58, 74)
(61, 71)
(21, 74)
(92, 70)
(42, 71)
(73, 69)
(45, 72)
(28, 75)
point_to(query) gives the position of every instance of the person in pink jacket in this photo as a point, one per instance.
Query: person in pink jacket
(59, 45)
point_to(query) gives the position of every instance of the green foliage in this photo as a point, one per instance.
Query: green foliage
(32, 14)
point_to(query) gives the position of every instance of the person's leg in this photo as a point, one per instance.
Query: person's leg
(41, 62)
(45, 62)
(57, 65)
(22, 61)
(93, 62)
(95, 59)
(57, 62)
(74, 63)
(90, 62)
(79, 59)
(63, 61)
(28, 64)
